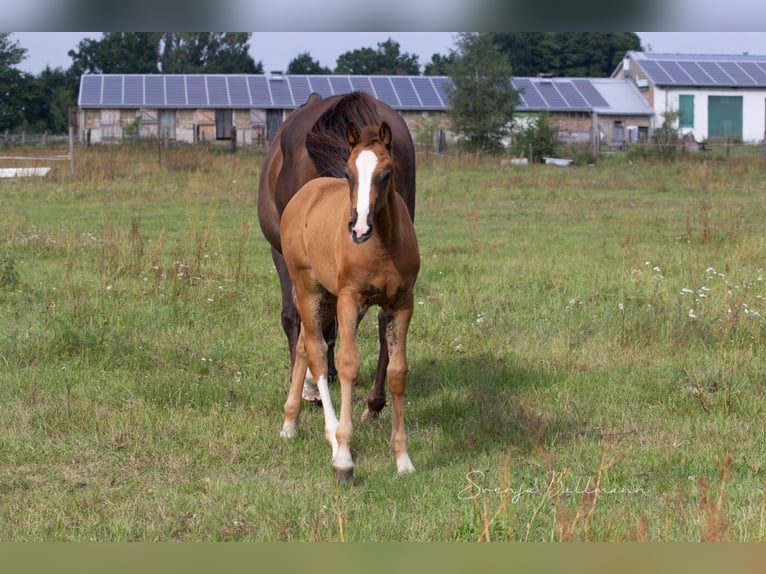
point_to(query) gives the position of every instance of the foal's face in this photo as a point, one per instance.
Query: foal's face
(368, 172)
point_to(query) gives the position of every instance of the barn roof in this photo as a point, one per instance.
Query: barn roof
(698, 70)
(288, 91)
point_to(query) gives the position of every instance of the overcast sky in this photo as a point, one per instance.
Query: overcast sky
(276, 49)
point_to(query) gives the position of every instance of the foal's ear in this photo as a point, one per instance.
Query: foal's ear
(352, 134)
(385, 134)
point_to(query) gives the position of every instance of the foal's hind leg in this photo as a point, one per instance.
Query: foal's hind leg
(291, 325)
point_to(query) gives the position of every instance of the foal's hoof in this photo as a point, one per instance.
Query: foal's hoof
(344, 475)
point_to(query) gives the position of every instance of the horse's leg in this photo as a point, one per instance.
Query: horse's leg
(291, 322)
(398, 324)
(348, 373)
(330, 334)
(293, 402)
(376, 398)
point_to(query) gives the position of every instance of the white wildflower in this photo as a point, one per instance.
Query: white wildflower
(691, 314)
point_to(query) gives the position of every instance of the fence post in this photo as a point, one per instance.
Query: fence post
(71, 151)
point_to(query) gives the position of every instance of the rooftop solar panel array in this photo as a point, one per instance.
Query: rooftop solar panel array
(255, 91)
(290, 91)
(703, 70)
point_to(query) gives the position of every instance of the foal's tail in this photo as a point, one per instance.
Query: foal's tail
(326, 142)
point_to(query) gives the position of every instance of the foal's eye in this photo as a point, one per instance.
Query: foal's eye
(383, 175)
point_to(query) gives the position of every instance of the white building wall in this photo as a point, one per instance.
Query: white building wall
(753, 110)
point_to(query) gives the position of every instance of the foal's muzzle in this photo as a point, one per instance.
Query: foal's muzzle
(355, 236)
(359, 238)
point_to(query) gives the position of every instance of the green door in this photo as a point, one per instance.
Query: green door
(724, 117)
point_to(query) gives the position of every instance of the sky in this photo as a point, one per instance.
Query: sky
(276, 49)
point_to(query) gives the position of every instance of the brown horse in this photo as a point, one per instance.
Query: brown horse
(312, 143)
(350, 244)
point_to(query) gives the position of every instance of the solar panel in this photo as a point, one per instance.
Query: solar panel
(676, 73)
(217, 92)
(134, 91)
(112, 91)
(90, 90)
(259, 91)
(550, 94)
(384, 90)
(427, 92)
(406, 92)
(716, 73)
(737, 73)
(176, 90)
(697, 74)
(362, 83)
(571, 95)
(155, 91)
(239, 95)
(196, 90)
(752, 70)
(529, 93)
(442, 85)
(300, 88)
(340, 85)
(656, 73)
(320, 85)
(590, 93)
(762, 66)
(280, 93)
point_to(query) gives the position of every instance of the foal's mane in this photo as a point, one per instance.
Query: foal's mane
(326, 141)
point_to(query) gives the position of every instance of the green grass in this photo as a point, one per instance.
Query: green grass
(586, 358)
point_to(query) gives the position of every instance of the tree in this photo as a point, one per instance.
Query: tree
(58, 93)
(482, 100)
(566, 54)
(207, 52)
(14, 92)
(169, 52)
(303, 63)
(117, 53)
(438, 66)
(386, 60)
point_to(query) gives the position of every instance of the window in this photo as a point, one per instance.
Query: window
(686, 109)
(618, 132)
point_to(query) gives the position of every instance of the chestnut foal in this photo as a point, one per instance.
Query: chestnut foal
(348, 245)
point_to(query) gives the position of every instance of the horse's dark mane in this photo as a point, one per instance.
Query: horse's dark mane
(326, 142)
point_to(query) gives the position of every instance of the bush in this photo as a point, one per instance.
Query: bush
(9, 276)
(538, 135)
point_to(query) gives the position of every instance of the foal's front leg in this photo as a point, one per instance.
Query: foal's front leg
(398, 370)
(349, 311)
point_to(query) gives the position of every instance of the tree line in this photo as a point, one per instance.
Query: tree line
(37, 103)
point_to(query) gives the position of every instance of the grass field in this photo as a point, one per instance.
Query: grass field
(587, 358)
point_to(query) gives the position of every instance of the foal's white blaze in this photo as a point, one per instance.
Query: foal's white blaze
(365, 167)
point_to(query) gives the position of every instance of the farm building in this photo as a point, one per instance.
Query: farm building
(717, 96)
(251, 108)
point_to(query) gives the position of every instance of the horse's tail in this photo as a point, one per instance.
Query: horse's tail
(326, 141)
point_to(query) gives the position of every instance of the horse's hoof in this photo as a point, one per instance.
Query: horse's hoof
(287, 432)
(344, 475)
(311, 392)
